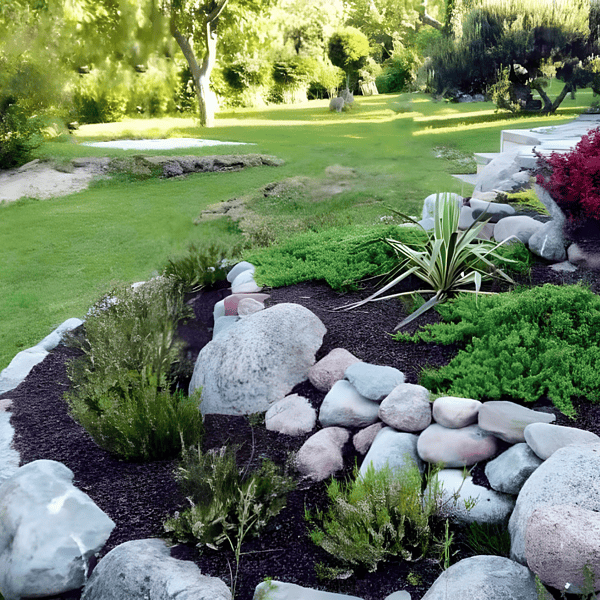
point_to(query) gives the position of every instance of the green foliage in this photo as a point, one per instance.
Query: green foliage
(448, 261)
(487, 539)
(20, 134)
(516, 35)
(226, 504)
(380, 515)
(136, 420)
(348, 49)
(527, 199)
(399, 71)
(520, 345)
(202, 266)
(120, 384)
(341, 256)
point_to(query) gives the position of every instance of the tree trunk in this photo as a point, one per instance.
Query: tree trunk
(201, 73)
(542, 92)
(206, 98)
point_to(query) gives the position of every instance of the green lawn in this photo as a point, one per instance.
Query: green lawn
(58, 256)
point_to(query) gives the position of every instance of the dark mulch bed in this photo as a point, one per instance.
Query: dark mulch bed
(138, 497)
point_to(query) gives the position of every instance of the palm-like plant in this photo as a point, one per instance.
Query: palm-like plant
(449, 261)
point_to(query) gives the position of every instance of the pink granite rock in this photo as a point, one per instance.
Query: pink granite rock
(406, 408)
(364, 438)
(324, 373)
(292, 415)
(560, 541)
(321, 455)
(456, 447)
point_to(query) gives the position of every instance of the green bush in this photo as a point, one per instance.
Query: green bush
(202, 266)
(119, 390)
(399, 71)
(377, 516)
(225, 504)
(341, 256)
(136, 420)
(519, 345)
(20, 133)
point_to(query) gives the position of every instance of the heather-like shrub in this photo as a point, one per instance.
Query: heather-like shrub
(120, 384)
(379, 515)
(519, 345)
(225, 502)
(573, 178)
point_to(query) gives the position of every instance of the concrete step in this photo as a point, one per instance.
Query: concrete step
(470, 179)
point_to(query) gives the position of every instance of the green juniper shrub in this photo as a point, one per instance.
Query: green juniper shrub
(120, 383)
(201, 267)
(519, 345)
(377, 516)
(341, 256)
(224, 502)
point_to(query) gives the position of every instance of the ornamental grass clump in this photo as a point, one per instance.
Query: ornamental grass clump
(448, 262)
(379, 515)
(120, 385)
(519, 345)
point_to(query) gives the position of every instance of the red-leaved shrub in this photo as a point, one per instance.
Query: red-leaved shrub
(573, 179)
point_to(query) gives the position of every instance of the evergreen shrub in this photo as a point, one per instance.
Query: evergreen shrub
(377, 516)
(20, 133)
(224, 501)
(519, 346)
(120, 383)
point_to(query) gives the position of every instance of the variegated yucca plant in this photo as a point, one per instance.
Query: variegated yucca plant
(449, 262)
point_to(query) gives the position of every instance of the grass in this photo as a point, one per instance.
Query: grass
(58, 256)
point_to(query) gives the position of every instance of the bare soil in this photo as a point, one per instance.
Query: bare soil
(139, 496)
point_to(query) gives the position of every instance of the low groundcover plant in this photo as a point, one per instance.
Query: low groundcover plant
(519, 345)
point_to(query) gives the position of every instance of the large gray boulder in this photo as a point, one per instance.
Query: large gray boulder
(485, 578)
(503, 173)
(49, 530)
(570, 476)
(9, 457)
(258, 361)
(549, 241)
(144, 569)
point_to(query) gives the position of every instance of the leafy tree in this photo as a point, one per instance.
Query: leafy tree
(195, 25)
(385, 22)
(348, 49)
(512, 42)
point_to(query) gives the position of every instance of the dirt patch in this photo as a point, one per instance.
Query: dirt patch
(47, 179)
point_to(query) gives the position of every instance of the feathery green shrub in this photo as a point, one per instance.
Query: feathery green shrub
(225, 503)
(519, 345)
(120, 383)
(376, 516)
